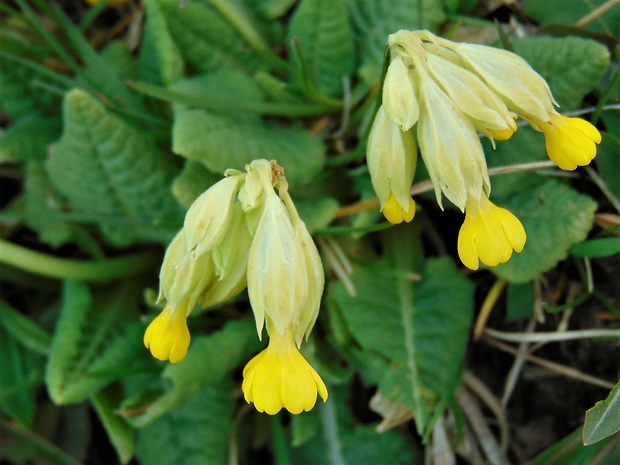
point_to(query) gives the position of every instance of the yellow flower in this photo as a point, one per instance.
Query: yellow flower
(570, 141)
(396, 214)
(167, 336)
(489, 234)
(280, 377)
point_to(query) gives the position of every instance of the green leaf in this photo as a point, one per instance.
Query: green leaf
(204, 366)
(193, 181)
(374, 20)
(120, 60)
(420, 327)
(94, 340)
(20, 94)
(595, 248)
(555, 217)
(519, 301)
(572, 451)
(206, 39)
(197, 433)
(571, 12)
(571, 65)
(342, 441)
(608, 161)
(21, 372)
(41, 198)
(603, 419)
(29, 333)
(525, 146)
(159, 55)
(28, 138)
(114, 172)
(326, 42)
(220, 142)
(119, 431)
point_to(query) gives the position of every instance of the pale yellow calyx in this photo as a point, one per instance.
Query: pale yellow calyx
(395, 213)
(489, 234)
(571, 142)
(450, 146)
(277, 282)
(280, 377)
(391, 157)
(207, 219)
(168, 336)
(399, 96)
(522, 89)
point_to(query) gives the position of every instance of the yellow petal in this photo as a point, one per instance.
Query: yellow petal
(280, 377)
(395, 213)
(489, 234)
(167, 336)
(571, 142)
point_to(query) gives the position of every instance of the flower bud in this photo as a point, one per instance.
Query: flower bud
(207, 219)
(399, 96)
(391, 158)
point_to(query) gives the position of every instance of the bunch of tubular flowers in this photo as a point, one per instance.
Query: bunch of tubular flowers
(443, 94)
(245, 231)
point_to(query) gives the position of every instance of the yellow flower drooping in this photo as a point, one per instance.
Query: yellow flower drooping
(570, 141)
(167, 336)
(489, 234)
(280, 377)
(245, 231)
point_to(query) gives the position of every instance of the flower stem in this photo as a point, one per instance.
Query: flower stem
(61, 268)
(280, 446)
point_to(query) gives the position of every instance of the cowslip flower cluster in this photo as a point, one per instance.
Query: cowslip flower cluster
(443, 94)
(245, 231)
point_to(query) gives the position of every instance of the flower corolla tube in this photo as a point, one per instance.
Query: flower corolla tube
(245, 231)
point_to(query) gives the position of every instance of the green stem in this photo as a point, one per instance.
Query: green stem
(230, 10)
(43, 447)
(60, 268)
(230, 104)
(280, 447)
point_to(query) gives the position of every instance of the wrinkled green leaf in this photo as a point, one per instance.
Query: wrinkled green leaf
(374, 20)
(203, 366)
(96, 337)
(21, 372)
(28, 138)
(325, 41)
(119, 431)
(193, 181)
(555, 217)
(29, 333)
(197, 433)
(206, 39)
(39, 195)
(220, 142)
(342, 441)
(571, 12)
(421, 328)
(113, 172)
(20, 94)
(571, 65)
(603, 419)
(159, 56)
